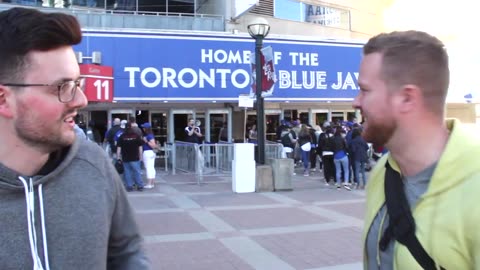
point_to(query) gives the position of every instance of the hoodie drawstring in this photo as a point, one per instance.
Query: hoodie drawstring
(32, 235)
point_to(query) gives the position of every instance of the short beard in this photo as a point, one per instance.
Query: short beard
(379, 133)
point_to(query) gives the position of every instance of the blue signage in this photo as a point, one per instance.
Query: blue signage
(180, 67)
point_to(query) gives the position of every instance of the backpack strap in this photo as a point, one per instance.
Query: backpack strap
(402, 224)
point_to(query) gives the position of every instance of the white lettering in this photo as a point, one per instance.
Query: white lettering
(346, 83)
(207, 57)
(223, 74)
(294, 58)
(169, 75)
(220, 56)
(234, 57)
(277, 56)
(246, 57)
(321, 80)
(131, 75)
(304, 59)
(182, 81)
(314, 59)
(309, 80)
(210, 78)
(311, 84)
(188, 78)
(155, 73)
(349, 82)
(284, 78)
(245, 75)
(338, 85)
(295, 84)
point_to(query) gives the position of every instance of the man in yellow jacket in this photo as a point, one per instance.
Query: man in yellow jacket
(404, 78)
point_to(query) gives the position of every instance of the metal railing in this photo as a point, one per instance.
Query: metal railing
(101, 17)
(211, 159)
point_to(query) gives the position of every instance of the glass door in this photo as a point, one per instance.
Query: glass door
(272, 123)
(159, 126)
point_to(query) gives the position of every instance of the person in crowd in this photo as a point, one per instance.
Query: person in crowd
(358, 149)
(340, 158)
(110, 136)
(313, 150)
(318, 151)
(223, 133)
(135, 126)
(130, 152)
(288, 141)
(421, 195)
(194, 134)
(55, 186)
(92, 133)
(305, 143)
(149, 155)
(325, 146)
(252, 134)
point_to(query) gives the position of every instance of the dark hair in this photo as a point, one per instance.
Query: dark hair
(23, 30)
(356, 132)
(147, 131)
(417, 58)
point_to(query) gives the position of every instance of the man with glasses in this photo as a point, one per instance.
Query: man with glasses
(63, 203)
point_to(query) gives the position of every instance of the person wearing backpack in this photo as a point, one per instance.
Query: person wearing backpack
(92, 133)
(288, 141)
(421, 196)
(110, 137)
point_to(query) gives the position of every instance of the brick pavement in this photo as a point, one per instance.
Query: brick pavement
(207, 226)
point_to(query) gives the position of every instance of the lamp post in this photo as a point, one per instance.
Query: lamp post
(259, 29)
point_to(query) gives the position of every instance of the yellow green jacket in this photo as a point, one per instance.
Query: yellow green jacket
(447, 216)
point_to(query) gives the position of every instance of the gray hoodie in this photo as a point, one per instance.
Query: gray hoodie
(77, 216)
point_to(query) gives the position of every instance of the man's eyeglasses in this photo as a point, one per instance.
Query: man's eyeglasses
(66, 89)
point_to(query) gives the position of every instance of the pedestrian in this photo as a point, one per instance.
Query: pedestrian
(63, 204)
(325, 146)
(359, 155)
(149, 155)
(252, 134)
(193, 132)
(110, 137)
(305, 143)
(340, 158)
(130, 152)
(422, 195)
(92, 133)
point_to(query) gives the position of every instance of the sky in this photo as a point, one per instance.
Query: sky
(454, 22)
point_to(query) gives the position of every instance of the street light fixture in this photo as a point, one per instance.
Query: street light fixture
(259, 29)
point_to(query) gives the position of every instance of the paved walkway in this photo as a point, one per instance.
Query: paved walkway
(198, 227)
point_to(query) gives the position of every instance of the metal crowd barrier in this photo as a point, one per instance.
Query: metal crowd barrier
(211, 159)
(273, 150)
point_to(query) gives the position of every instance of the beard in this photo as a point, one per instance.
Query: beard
(379, 132)
(43, 134)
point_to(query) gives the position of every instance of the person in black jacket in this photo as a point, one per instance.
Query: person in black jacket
(340, 157)
(305, 143)
(325, 147)
(358, 149)
(313, 151)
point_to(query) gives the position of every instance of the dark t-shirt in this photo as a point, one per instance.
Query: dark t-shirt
(129, 142)
(192, 138)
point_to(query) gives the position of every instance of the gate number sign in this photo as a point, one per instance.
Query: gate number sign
(98, 82)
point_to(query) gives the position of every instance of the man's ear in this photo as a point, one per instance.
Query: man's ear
(410, 96)
(6, 96)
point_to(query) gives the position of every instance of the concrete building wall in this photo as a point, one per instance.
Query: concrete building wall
(466, 113)
(366, 20)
